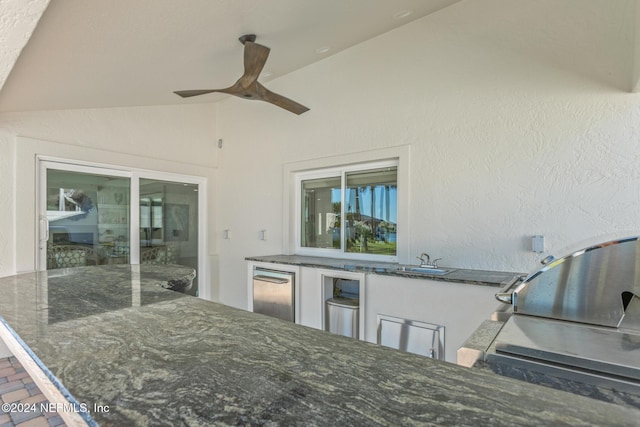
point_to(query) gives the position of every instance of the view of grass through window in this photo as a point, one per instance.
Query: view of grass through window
(369, 213)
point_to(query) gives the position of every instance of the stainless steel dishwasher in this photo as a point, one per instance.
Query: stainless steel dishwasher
(273, 293)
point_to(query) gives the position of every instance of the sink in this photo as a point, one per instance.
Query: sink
(425, 270)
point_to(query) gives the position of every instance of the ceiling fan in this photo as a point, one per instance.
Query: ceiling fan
(247, 86)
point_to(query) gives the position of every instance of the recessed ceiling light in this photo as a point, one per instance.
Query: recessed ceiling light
(402, 14)
(323, 49)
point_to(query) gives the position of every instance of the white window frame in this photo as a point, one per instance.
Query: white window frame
(296, 172)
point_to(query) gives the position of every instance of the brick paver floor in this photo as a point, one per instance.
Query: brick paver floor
(21, 399)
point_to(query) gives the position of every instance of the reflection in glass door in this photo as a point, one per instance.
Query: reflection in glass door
(169, 224)
(93, 215)
(88, 219)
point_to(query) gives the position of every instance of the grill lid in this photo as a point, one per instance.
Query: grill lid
(576, 324)
(593, 285)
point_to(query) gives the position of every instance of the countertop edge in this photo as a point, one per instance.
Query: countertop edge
(76, 417)
(457, 275)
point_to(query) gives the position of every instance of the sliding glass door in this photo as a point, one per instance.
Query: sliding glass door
(95, 216)
(87, 217)
(169, 223)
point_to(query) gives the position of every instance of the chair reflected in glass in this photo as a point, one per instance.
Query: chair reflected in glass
(161, 254)
(66, 256)
(70, 255)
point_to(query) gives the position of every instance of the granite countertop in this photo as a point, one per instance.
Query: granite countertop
(117, 338)
(458, 275)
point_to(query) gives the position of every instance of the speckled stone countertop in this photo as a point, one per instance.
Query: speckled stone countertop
(458, 275)
(119, 339)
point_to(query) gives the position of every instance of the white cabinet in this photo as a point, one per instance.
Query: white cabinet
(312, 287)
(310, 296)
(459, 307)
(456, 308)
(317, 286)
(328, 279)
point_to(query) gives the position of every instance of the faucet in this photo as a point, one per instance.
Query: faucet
(424, 263)
(427, 263)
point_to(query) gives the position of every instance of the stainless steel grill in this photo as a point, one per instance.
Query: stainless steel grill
(576, 324)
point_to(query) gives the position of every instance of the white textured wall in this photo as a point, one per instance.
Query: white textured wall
(18, 19)
(7, 216)
(519, 118)
(167, 138)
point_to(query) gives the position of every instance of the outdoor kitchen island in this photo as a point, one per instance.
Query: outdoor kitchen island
(131, 352)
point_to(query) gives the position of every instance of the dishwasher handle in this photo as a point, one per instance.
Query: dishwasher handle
(270, 279)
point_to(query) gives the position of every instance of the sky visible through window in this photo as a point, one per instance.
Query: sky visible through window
(385, 210)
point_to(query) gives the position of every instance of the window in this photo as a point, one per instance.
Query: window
(321, 201)
(371, 211)
(349, 210)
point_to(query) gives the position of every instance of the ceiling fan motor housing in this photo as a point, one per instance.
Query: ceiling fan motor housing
(247, 38)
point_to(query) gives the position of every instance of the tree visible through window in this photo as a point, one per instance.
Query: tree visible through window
(371, 211)
(353, 209)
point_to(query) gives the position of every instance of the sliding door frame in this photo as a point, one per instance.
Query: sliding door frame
(44, 163)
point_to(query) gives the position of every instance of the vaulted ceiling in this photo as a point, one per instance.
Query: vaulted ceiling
(92, 54)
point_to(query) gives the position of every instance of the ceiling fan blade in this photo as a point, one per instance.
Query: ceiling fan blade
(266, 95)
(188, 93)
(247, 86)
(255, 56)
(233, 90)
